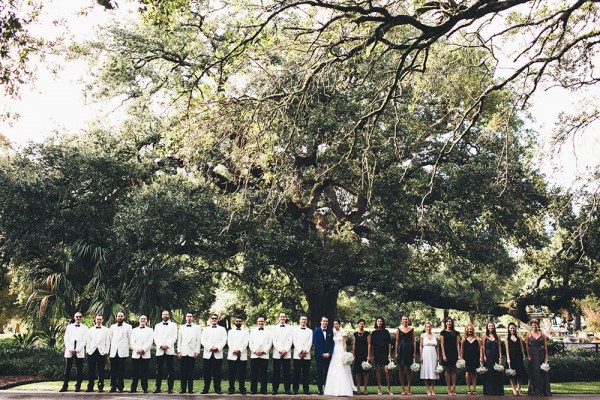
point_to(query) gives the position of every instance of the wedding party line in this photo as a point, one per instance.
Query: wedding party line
(340, 370)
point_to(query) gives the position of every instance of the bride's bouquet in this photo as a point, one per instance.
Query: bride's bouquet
(510, 372)
(461, 364)
(481, 370)
(415, 367)
(366, 365)
(439, 369)
(347, 358)
(498, 367)
(391, 365)
(545, 367)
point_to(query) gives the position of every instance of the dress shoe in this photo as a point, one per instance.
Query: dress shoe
(63, 389)
(157, 391)
(112, 390)
(243, 392)
(287, 392)
(89, 390)
(170, 391)
(252, 393)
(307, 393)
(191, 392)
(145, 390)
(320, 393)
(204, 391)
(218, 391)
(182, 392)
(133, 391)
(230, 391)
(77, 389)
(274, 392)
(295, 393)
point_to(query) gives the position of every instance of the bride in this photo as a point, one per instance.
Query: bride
(339, 377)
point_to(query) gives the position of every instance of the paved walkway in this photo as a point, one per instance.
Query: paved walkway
(30, 395)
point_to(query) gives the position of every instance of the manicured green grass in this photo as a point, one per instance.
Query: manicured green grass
(557, 388)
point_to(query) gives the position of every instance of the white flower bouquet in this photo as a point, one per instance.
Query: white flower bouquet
(481, 370)
(545, 367)
(347, 358)
(510, 372)
(439, 369)
(498, 367)
(391, 365)
(366, 365)
(461, 364)
(415, 367)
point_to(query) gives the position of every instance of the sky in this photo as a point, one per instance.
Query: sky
(55, 102)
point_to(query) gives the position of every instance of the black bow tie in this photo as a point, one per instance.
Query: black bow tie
(142, 327)
(302, 328)
(282, 326)
(238, 329)
(98, 327)
(214, 326)
(188, 325)
(260, 329)
(77, 326)
(120, 324)
(165, 323)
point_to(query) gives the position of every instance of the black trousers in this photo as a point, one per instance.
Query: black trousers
(187, 373)
(96, 362)
(117, 372)
(322, 367)
(67, 374)
(212, 370)
(237, 369)
(139, 372)
(281, 365)
(301, 367)
(160, 365)
(258, 373)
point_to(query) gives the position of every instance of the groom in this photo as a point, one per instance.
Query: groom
(323, 340)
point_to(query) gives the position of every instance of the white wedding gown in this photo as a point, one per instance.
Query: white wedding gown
(339, 377)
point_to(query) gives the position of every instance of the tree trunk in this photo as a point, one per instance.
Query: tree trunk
(322, 304)
(577, 323)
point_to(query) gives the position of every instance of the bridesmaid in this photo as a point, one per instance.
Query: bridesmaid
(537, 353)
(361, 349)
(430, 356)
(470, 351)
(492, 354)
(406, 352)
(381, 344)
(450, 344)
(514, 356)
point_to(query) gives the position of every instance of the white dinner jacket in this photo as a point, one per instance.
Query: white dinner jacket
(260, 340)
(188, 340)
(165, 335)
(141, 338)
(214, 337)
(238, 340)
(282, 340)
(98, 339)
(120, 336)
(75, 339)
(303, 340)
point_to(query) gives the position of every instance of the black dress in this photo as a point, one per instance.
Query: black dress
(471, 355)
(492, 380)
(380, 341)
(406, 348)
(361, 351)
(450, 348)
(516, 359)
(539, 382)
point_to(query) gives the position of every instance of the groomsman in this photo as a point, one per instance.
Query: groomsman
(75, 340)
(188, 349)
(214, 339)
(237, 342)
(302, 339)
(282, 354)
(260, 345)
(98, 346)
(165, 336)
(120, 337)
(323, 340)
(142, 338)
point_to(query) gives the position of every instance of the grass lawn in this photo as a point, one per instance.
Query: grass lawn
(557, 388)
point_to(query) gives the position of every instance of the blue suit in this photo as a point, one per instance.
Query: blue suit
(323, 344)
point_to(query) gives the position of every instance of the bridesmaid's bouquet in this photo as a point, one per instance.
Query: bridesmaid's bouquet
(347, 358)
(415, 367)
(366, 365)
(439, 369)
(545, 367)
(461, 364)
(481, 370)
(391, 365)
(510, 372)
(498, 367)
